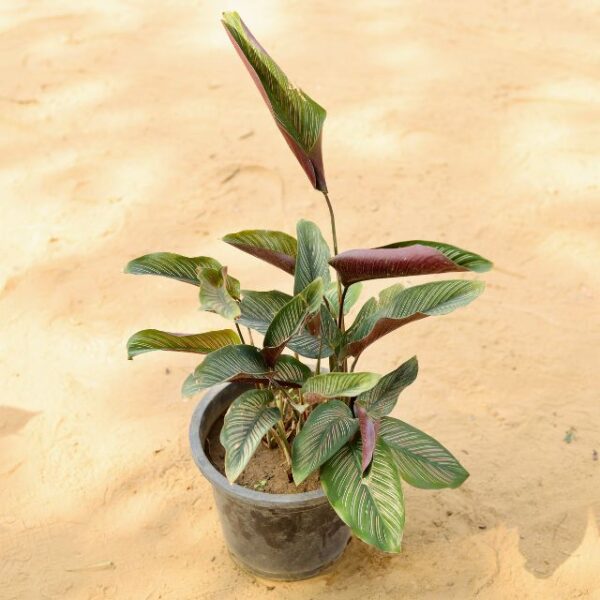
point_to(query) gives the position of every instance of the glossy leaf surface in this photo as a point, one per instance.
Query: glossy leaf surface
(333, 385)
(313, 256)
(173, 266)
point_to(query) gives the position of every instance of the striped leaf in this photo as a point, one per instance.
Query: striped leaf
(246, 422)
(313, 256)
(369, 428)
(259, 310)
(291, 318)
(173, 266)
(352, 296)
(372, 506)
(464, 258)
(326, 430)
(397, 307)
(231, 363)
(200, 343)
(404, 259)
(380, 400)
(421, 460)
(298, 117)
(290, 371)
(218, 292)
(334, 385)
(274, 247)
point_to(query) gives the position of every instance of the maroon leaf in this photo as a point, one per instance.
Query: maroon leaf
(379, 263)
(369, 428)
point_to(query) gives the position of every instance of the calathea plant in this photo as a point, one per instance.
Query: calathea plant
(338, 421)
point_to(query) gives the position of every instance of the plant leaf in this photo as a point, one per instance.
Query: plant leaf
(400, 260)
(380, 400)
(173, 266)
(402, 306)
(373, 506)
(200, 343)
(291, 318)
(464, 258)
(313, 256)
(274, 247)
(231, 363)
(259, 310)
(421, 460)
(326, 430)
(368, 434)
(298, 117)
(246, 422)
(291, 371)
(352, 296)
(215, 293)
(333, 385)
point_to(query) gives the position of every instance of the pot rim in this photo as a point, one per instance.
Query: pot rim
(300, 500)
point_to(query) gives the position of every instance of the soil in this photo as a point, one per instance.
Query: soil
(267, 470)
(131, 127)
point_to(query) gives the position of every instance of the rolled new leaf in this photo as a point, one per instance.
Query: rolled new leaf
(290, 319)
(218, 292)
(380, 400)
(334, 385)
(326, 430)
(422, 461)
(405, 259)
(275, 247)
(173, 266)
(246, 422)
(199, 343)
(299, 118)
(372, 506)
(368, 434)
(397, 307)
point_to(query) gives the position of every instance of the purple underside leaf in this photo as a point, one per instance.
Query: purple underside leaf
(298, 117)
(369, 428)
(378, 263)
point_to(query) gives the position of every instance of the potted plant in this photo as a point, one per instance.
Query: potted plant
(327, 431)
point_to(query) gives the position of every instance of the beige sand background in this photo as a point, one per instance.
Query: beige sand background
(130, 126)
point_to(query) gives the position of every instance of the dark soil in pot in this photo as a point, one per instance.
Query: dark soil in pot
(266, 471)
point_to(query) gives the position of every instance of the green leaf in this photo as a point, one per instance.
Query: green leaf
(333, 385)
(421, 460)
(312, 261)
(173, 266)
(373, 506)
(464, 258)
(274, 247)
(290, 319)
(397, 307)
(352, 296)
(380, 400)
(200, 343)
(246, 422)
(215, 294)
(290, 371)
(326, 430)
(231, 363)
(259, 310)
(299, 118)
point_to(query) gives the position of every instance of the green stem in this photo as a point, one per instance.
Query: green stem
(332, 217)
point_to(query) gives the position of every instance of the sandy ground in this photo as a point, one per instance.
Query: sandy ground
(130, 127)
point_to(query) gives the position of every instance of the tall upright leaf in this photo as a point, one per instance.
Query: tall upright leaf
(326, 430)
(218, 293)
(200, 343)
(421, 460)
(274, 247)
(173, 266)
(313, 256)
(290, 319)
(246, 422)
(381, 399)
(298, 117)
(406, 305)
(372, 506)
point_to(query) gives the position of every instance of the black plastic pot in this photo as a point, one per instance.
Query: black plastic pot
(276, 536)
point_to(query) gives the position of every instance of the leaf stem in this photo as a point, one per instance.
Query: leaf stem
(354, 364)
(332, 217)
(341, 310)
(240, 333)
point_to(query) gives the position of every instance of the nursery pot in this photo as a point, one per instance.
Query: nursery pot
(276, 536)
